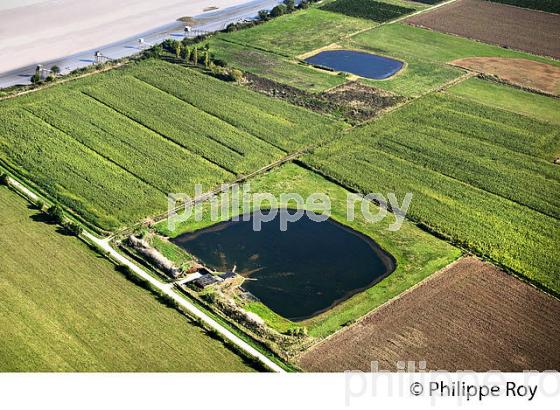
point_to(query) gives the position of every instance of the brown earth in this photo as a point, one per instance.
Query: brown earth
(516, 71)
(352, 101)
(470, 316)
(513, 27)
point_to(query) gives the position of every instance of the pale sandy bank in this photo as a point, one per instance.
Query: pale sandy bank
(42, 30)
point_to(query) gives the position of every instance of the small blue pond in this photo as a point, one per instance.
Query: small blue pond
(356, 62)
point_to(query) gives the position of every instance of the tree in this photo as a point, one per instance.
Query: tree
(55, 70)
(304, 4)
(4, 179)
(195, 56)
(39, 205)
(36, 78)
(72, 228)
(236, 75)
(187, 54)
(178, 48)
(278, 10)
(206, 59)
(263, 15)
(290, 5)
(56, 214)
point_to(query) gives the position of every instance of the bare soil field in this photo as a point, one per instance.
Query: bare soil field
(512, 27)
(469, 316)
(516, 71)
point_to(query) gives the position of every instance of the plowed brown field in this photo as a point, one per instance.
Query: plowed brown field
(517, 71)
(470, 316)
(513, 27)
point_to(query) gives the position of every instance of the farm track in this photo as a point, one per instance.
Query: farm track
(485, 319)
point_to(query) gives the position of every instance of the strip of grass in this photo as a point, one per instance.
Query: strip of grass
(425, 53)
(509, 98)
(418, 254)
(63, 308)
(450, 154)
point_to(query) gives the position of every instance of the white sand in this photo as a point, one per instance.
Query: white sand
(42, 30)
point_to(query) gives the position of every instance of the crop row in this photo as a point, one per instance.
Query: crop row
(445, 197)
(435, 141)
(552, 6)
(367, 9)
(276, 122)
(186, 125)
(67, 170)
(166, 166)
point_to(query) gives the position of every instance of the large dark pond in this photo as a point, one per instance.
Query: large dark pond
(297, 273)
(356, 62)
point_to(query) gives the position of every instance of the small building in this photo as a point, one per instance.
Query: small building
(228, 275)
(206, 280)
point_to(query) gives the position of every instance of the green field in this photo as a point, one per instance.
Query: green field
(269, 49)
(508, 98)
(65, 308)
(275, 67)
(377, 11)
(418, 254)
(482, 177)
(112, 146)
(299, 32)
(426, 53)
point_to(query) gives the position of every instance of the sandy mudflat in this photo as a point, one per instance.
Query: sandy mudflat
(41, 30)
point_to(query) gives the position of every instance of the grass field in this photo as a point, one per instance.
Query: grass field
(480, 176)
(418, 254)
(271, 65)
(508, 98)
(299, 32)
(73, 141)
(426, 54)
(269, 49)
(65, 308)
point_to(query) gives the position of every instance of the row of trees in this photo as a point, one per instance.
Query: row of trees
(287, 7)
(200, 55)
(55, 214)
(192, 55)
